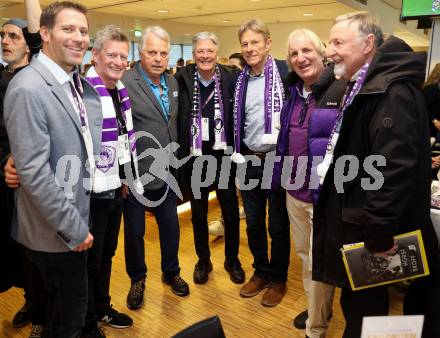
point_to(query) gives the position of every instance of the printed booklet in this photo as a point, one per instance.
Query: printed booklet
(366, 270)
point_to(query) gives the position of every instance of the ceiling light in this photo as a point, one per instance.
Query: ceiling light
(163, 11)
(308, 14)
(137, 33)
(254, 0)
(227, 20)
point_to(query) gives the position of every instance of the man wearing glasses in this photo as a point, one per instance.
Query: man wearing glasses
(154, 98)
(205, 128)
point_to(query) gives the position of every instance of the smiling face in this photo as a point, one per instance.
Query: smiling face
(111, 61)
(205, 55)
(348, 49)
(15, 51)
(305, 60)
(68, 40)
(255, 49)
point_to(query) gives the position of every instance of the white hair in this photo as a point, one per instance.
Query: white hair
(156, 30)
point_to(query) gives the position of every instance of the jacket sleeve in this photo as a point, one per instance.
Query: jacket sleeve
(30, 145)
(394, 133)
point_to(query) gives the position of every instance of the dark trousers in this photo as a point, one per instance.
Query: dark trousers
(423, 298)
(358, 304)
(35, 290)
(229, 207)
(254, 202)
(134, 231)
(65, 278)
(106, 217)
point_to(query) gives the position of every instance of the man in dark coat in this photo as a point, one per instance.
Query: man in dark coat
(382, 114)
(205, 90)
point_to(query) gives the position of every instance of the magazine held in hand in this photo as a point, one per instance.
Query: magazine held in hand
(366, 270)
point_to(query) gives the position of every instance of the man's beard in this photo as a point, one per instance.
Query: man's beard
(339, 70)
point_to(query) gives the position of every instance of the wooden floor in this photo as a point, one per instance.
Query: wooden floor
(164, 314)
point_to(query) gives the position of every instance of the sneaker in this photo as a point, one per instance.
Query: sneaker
(201, 271)
(178, 285)
(115, 319)
(37, 331)
(23, 316)
(217, 228)
(96, 332)
(300, 320)
(135, 297)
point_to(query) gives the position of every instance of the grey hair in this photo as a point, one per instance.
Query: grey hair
(109, 33)
(156, 30)
(204, 36)
(366, 25)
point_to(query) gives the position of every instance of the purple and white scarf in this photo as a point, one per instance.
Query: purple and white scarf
(195, 134)
(273, 103)
(107, 165)
(347, 100)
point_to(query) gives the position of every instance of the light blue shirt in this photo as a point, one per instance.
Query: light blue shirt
(162, 98)
(254, 116)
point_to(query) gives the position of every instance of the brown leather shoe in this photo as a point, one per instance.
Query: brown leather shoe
(274, 293)
(253, 287)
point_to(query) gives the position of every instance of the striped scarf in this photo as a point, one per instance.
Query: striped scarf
(273, 103)
(196, 117)
(107, 166)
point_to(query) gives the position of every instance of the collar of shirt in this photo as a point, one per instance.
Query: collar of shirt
(60, 75)
(163, 83)
(204, 82)
(355, 76)
(301, 91)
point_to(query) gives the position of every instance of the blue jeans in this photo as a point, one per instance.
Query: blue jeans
(134, 231)
(254, 203)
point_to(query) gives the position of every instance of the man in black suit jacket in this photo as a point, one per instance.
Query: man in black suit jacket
(154, 98)
(205, 128)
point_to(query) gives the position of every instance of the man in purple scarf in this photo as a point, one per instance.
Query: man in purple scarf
(259, 95)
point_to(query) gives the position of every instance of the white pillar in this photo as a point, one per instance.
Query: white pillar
(434, 47)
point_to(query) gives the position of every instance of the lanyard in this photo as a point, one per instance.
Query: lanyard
(79, 104)
(347, 101)
(208, 99)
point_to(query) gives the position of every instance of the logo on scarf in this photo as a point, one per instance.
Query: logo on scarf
(106, 158)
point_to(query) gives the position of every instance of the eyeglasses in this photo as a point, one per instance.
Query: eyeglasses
(114, 56)
(201, 52)
(13, 36)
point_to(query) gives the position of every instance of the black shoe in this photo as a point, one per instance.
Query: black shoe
(95, 332)
(201, 271)
(178, 285)
(37, 331)
(23, 316)
(135, 297)
(115, 319)
(300, 321)
(236, 272)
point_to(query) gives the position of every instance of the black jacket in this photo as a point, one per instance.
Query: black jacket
(388, 117)
(185, 79)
